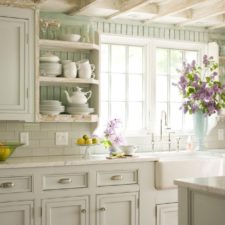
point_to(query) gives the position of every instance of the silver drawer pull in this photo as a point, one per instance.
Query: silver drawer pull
(65, 180)
(83, 211)
(117, 177)
(7, 185)
(102, 209)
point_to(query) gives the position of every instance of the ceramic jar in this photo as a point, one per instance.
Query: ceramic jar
(69, 69)
(86, 69)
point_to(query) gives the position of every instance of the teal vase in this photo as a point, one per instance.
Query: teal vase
(200, 122)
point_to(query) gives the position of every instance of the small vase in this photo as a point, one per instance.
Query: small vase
(113, 149)
(200, 122)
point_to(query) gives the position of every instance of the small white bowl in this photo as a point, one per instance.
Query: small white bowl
(128, 149)
(70, 37)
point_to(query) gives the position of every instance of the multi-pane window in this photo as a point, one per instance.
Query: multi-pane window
(167, 96)
(122, 84)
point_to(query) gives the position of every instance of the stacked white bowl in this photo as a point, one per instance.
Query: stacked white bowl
(79, 109)
(51, 107)
(50, 66)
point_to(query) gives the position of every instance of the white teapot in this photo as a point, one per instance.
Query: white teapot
(78, 97)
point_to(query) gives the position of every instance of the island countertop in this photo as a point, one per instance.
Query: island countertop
(213, 185)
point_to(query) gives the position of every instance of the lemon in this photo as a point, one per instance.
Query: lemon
(4, 152)
(80, 141)
(95, 140)
(88, 141)
(85, 137)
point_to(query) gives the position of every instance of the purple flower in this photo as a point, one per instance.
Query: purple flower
(200, 89)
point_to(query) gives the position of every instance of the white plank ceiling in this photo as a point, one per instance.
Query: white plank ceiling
(200, 13)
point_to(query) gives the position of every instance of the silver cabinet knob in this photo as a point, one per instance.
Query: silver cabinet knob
(7, 185)
(102, 209)
(83, 211)
(117, 177)
(65, 180)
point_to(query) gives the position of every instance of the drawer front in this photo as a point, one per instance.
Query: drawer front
(120, 177)
(15, 184)
(65, 181)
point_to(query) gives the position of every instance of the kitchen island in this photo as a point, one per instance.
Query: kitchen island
(201, 201)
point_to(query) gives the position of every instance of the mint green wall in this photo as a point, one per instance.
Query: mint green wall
(168, 32)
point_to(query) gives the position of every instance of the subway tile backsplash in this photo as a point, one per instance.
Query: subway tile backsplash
(42, 139)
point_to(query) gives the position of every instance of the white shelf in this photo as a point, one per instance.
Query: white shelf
(46, 81)
(68, 118)
(66, 45)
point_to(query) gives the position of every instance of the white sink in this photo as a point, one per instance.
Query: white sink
(182, 165)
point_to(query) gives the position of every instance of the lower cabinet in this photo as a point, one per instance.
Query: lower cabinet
(119, 209)
(167, 214)
(65, 211)
(16, 213)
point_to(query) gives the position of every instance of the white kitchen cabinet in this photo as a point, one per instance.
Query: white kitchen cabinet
(119, 209)
(16, 213)
(17, 64)
(68, 211)
(167, 214)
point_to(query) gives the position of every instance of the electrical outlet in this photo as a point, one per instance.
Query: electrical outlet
(24, 138)
(61, 138)
(220, 134)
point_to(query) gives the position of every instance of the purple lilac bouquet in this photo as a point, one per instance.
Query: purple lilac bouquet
(112, 137)
(200, 89)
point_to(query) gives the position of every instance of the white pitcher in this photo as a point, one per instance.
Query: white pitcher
(86, 69)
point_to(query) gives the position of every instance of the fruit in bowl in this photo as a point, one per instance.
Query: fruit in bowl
(7, 149)
(128, 149)
(86, 140)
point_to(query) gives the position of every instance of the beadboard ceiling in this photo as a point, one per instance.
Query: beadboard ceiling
(200, 13)
(181, 13)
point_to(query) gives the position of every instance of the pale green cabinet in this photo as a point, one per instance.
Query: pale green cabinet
(16, 213)
(17, 64)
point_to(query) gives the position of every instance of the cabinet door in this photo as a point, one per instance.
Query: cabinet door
(119, 209)
(16, 66)
(66, 211)
(16, 213)
(167, 214)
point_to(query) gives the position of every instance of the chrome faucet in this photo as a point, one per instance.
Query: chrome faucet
(163, 116)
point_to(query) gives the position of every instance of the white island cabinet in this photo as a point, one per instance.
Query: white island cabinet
(16, 63)
(77, 192)
(201, 201)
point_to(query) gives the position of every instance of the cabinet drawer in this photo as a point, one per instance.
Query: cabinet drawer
(64, 181)
(119, 177)
(15, 184)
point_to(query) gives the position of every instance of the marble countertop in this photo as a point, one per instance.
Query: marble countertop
(213, 185)
(45, 161)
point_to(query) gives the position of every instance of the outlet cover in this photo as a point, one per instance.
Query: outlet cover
(24, 138)
(61, 138)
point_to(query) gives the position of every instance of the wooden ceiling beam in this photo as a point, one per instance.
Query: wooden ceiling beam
(84, 4)
(130, 7)
(173, 7)
(205, 13)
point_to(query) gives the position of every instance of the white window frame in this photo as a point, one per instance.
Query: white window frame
(134, 41)
(202, 49)
(150, 45)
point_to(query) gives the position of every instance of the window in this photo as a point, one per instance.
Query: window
(136, 81)
(122, 82)
(167, 95)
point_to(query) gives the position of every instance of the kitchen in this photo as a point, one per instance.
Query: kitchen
(41, 132)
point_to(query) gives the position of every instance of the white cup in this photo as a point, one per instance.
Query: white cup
(70, 70)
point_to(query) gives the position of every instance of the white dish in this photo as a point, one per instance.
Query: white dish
(73, 112)
(52, 108)
(50, 102)
(71, 105)
(128, 149)
(49, 59)
(51, 113)
(77, 109)
(70, 37)
(50, 69)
